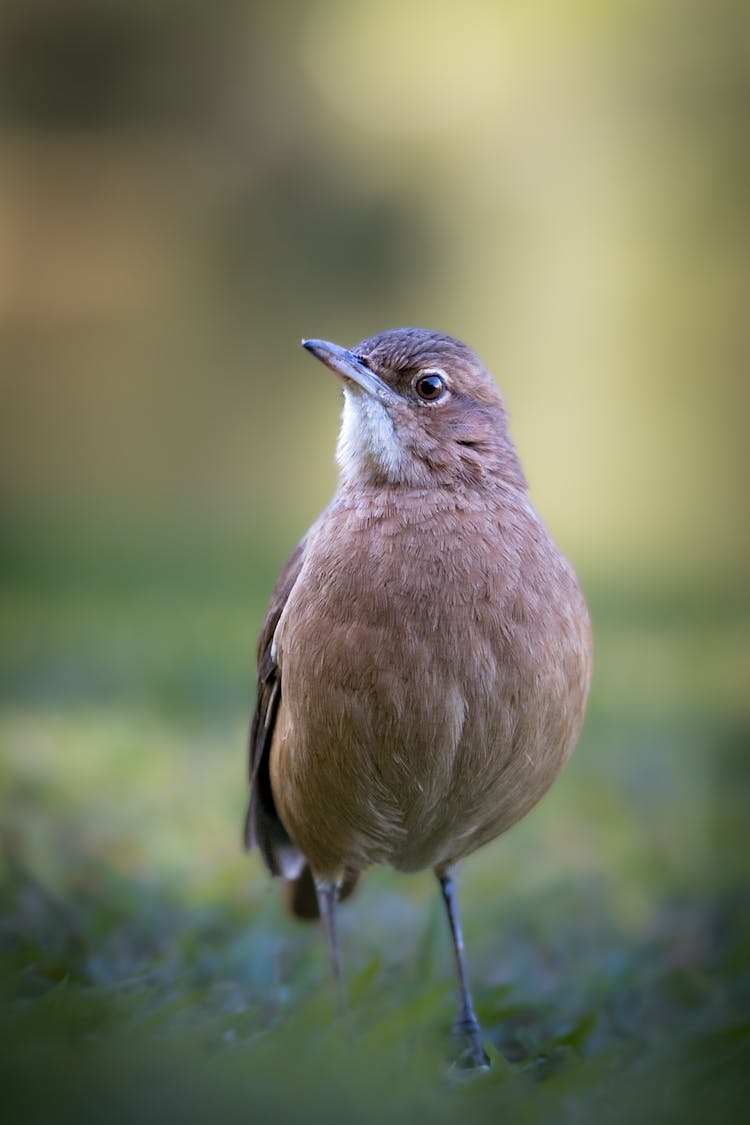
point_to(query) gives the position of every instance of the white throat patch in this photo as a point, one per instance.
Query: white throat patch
(368, 445)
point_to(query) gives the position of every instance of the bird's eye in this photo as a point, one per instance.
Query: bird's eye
(430, 386)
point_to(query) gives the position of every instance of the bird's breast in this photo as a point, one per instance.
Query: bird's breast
(433, 680)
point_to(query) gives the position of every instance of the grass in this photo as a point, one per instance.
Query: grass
(148, 971)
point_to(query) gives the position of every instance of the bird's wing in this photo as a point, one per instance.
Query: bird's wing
(263, 826)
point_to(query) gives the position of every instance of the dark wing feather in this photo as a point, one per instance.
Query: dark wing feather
(263, 827)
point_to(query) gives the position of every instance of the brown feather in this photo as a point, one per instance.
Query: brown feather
(263, 827)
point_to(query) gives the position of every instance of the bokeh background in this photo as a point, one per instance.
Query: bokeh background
(188, 189)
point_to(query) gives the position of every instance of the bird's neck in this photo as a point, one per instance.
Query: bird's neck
(376, 501)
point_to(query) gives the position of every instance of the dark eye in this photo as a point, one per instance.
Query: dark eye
(430, 386)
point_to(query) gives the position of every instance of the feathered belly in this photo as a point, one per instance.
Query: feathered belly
(410, 760)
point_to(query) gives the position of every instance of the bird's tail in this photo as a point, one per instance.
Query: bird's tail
(301, 898)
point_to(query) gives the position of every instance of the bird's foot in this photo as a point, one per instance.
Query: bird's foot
(474, 1056)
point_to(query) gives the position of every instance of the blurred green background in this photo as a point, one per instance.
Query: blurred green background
(186, 190)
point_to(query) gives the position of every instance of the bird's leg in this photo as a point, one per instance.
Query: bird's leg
(467, 1023)
(328, 897)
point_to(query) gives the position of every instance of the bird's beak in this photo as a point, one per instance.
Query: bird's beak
(349, 368)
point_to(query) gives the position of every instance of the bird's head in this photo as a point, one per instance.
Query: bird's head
(420, 410)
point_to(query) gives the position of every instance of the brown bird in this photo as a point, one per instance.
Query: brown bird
(424, 662)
